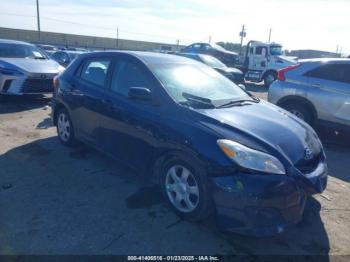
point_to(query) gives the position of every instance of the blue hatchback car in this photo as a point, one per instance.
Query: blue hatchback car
(211, 146)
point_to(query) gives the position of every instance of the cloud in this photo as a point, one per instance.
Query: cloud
(298, 24)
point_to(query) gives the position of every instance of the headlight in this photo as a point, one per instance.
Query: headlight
(250, 158)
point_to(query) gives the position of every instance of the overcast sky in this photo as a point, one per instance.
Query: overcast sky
(297, 24)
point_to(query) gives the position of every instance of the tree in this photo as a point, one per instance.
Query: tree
(234, 47)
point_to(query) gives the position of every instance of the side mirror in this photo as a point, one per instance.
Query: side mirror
(140, 93)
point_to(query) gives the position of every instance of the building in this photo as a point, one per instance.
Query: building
(309, 53)
(81, 41)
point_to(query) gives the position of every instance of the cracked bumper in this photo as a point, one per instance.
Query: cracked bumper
(263, 205)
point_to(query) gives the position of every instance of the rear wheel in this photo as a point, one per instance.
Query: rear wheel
(65, 128)
(186, 190)
(269, 78)
(301, 111)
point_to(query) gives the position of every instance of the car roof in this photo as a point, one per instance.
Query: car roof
(189, 54)
(324, 60)
(9, 41)
(148, 57)
(70, 52)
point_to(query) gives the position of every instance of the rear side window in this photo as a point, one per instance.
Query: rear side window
(196, 46)
(332, 72)
(128, 74)
(95, 71)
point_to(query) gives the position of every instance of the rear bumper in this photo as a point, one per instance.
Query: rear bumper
(263, 205)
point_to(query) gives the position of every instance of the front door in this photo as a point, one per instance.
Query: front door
(129, 129)
(259, 60)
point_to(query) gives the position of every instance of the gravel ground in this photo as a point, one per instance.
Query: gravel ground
(56, 200)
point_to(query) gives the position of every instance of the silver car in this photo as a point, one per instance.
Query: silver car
(25, 69)
(317, 91)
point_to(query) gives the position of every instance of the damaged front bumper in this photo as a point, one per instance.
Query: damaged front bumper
(262, 204)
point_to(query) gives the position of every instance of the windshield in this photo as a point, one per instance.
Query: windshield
(212, 61)
(197, 80)
(20, 51)
(276, 50)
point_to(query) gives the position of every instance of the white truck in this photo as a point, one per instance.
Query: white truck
(261, 62)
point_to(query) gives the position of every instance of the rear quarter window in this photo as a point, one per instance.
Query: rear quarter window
(331, 72)
(94, 71)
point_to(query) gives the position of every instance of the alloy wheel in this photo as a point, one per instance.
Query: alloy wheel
(297, 113)
(182, 188)
(63, 125)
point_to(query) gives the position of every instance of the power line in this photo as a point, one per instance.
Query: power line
(95, 26)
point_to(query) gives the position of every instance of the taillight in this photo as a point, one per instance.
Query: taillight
(281, 73)
(56, 81)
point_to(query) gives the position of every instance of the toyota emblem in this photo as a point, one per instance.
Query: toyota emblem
(308, 153)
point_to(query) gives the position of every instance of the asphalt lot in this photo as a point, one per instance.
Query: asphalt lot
(56, 200)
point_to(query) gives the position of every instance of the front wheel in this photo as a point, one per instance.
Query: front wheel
(186, 191)
(301, 111)
(269, 78)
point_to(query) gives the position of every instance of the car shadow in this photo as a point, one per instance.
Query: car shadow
(78, 193)
(12, 104)
(45, 123)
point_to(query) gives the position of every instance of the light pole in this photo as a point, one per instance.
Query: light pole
(270, 35)
(38, 19)
(242, 34)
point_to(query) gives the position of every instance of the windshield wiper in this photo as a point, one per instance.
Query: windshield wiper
(39, 57)
(239, 102)
(198, 100)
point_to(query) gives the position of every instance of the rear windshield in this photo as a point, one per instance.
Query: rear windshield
(20, 51)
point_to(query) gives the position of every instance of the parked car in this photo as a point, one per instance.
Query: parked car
(25, 69)
(227, 57)
(209, 144)
(317, 91)
(48, 49)
(231, 73)
(64, 58)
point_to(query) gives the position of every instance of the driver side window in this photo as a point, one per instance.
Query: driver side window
(127, 74)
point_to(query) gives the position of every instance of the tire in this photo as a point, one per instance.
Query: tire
(194, 190)
(269, 78)
(65, 130)
(301, 111)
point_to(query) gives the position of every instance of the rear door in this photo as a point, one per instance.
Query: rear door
(329, 91)
(88, 97)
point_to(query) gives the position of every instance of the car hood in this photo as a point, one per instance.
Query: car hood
(265, 127)
(32, 65)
